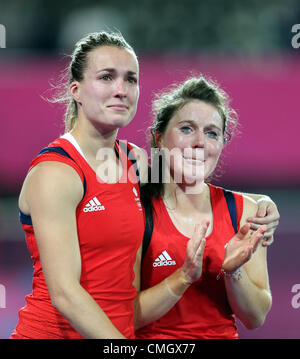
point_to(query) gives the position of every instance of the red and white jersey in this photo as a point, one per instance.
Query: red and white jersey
(203, 311)
(110, 226)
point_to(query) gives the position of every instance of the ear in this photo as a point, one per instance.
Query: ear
(75, 91)
(158, 139)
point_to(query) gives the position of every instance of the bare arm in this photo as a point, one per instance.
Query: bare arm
(53, 191)
(249, 296)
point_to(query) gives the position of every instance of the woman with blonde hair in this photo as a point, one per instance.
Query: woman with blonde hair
(84, 227)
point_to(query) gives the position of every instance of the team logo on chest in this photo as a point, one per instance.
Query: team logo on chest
(93, 205)
(164, 260)
(137, 198)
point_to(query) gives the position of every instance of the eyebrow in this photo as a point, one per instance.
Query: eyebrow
(112, 70)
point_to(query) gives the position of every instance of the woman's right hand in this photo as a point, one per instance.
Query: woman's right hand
(192, 267)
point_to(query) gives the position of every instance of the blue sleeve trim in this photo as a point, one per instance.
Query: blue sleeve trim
(231, 204)
(25, 218)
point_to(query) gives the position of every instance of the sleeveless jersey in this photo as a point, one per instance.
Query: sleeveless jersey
(203, 311)
(110, 226)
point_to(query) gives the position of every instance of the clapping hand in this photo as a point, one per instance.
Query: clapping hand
(241, 247)
(192, 267)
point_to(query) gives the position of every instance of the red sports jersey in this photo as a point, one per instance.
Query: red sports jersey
(110, 226)
(203, 311)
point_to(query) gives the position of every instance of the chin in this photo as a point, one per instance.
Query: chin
(194, 176)
(188, 179)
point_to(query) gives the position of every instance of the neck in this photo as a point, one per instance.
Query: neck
(185, 199)
(91, 139)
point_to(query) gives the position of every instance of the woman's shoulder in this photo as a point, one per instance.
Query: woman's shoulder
(51, 181)
(250, 207)
(246, 206)
(54, 174)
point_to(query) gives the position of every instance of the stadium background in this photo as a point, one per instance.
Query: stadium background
(245, 46)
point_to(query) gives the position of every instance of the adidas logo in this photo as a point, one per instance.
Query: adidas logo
(163, 260)
(93, 205)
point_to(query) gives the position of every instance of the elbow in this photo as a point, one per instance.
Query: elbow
(257, 320)
(255, 323)
(58, 300)
(61, 297)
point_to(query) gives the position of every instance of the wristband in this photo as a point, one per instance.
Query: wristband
(236, 275)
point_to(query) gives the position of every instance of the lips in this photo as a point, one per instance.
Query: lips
(194, 161)
(118, 107)
(194, 157)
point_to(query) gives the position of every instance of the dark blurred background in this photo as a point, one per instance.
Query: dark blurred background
(246, 46)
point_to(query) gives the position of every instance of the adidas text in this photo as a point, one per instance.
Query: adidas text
(164, 263)
(92, 209)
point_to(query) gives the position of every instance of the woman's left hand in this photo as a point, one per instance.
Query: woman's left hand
(267, 214)
(241, 247)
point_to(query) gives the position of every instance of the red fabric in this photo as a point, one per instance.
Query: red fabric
(109, 239)
(203, 311)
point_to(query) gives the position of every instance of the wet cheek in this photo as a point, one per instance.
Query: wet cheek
(178, 140)
(212, 149)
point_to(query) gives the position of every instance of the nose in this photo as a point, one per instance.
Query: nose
(120, 88)
(199, 139)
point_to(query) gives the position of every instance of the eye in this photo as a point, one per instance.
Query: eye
(186, 129)
(132, 79)
(106, 77)
(212, 134)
